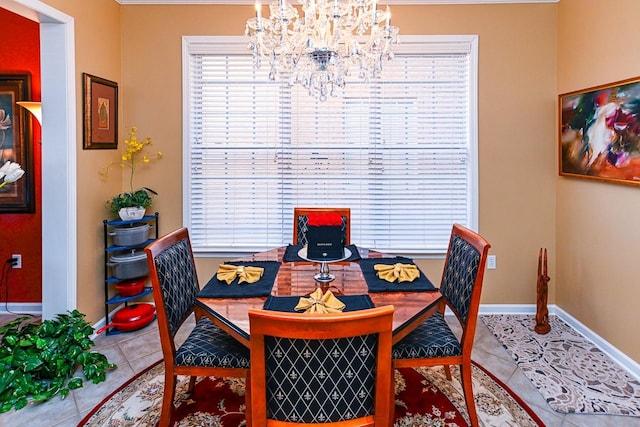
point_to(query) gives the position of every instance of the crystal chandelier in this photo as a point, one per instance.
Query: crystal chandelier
(318, 48)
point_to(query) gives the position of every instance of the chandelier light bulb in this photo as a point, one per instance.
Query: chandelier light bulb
(318, 48)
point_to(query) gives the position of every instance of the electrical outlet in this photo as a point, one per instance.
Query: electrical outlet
(17, 261)
(491, 262)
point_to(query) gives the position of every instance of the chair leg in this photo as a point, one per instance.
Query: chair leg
(467, 387)
(167, 400)
(247, 397)
(192, 383)
(447, 371)
(392, 395)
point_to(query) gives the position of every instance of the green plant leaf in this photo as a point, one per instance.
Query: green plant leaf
(11, 340)
(41, 343)
(25, 342)
(20, 403)
(31, 363)
(41, 397)
(47, 328)
(75, 383)
(13, 325)
(6, 377)
(37, 360)
(7, 360)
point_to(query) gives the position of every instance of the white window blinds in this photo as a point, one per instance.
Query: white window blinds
(399, 151)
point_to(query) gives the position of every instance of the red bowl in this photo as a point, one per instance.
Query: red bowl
(131, 317)
(129, 288)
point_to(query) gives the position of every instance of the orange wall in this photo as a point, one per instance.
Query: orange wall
(22, 233)
(597, 222)
(517, 95)
(98, 51)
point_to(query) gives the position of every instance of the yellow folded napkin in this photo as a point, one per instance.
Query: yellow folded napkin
(319, 303)
(228, 273)
(400, 272)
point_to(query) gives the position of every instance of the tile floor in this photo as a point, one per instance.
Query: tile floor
(134, 351)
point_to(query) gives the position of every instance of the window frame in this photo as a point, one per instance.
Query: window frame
(408, 44)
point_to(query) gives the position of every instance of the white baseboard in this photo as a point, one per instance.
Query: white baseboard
(34, 308)
(630, 365)
(98, 325)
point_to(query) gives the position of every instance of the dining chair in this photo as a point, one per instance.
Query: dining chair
(433, 343)
(321, 369)
(208, 350)
(301, 216)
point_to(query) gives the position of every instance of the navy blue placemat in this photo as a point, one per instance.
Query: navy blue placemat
(291, 253)
(288, 304)
(376, 284)
(219, 289)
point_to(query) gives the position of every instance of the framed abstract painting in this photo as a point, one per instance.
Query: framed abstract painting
(16, 143)
(600, 132)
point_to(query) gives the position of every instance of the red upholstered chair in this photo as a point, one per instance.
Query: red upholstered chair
(433, 343)
(208, 351)
(301, 215)
(321, 369)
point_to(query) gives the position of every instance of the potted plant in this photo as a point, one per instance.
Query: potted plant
(41, 360)
(132, 204)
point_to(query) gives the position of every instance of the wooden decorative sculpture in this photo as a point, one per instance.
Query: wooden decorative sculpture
(542, 313)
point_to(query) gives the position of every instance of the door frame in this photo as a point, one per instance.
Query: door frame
(59, 178)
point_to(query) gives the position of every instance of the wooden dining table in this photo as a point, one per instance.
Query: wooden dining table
(297, 279)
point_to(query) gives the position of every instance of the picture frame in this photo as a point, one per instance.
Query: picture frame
(16, 143)
(600, 132)
(100, 111)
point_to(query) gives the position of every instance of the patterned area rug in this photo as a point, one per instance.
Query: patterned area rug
(424, 397)
(571, 373)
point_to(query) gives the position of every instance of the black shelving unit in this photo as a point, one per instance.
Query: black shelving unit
(109, 250)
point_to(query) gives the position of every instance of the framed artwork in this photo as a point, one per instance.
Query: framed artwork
(100, 113)
(600, 132)
(16, 143)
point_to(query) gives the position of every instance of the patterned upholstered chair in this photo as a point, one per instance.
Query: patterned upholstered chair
(332, 369)
(301, 215)
(208, 350)
(433, 343)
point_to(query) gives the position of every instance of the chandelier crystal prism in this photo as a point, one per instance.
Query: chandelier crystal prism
(319, 48)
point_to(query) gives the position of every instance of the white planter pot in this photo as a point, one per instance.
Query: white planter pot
(130, 214)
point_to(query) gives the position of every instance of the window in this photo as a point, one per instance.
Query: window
(401, 152)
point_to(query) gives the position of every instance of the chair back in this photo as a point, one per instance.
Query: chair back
(463, 275)
(301, 218)
(321, 368)
(174, 280)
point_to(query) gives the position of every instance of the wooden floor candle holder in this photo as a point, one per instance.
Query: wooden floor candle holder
(542, 290)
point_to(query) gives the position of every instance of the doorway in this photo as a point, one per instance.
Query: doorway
(59, 187)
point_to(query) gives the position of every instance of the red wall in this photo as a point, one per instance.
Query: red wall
(22, 233)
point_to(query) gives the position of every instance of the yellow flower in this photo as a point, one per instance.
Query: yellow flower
(132, 156)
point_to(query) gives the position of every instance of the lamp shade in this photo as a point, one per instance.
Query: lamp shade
(34, 108)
